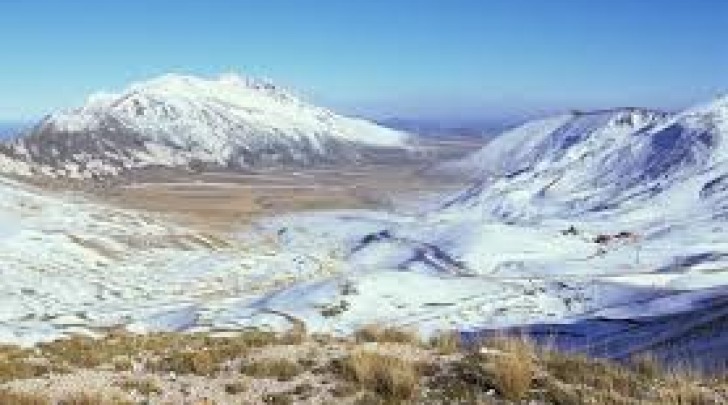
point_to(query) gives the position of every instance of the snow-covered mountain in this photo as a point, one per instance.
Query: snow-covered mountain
(177, 120)
(588, 162)
(554, 140)
(605, 230)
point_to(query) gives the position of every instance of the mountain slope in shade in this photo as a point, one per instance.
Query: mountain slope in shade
(177, 120)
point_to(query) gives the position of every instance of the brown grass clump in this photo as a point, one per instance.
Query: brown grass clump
(278, 398)
(506, 366)
(685, 387)
(22, 398)
(20, 369)
(577, 379)
(235, 387)
(647, 365)
(120, 349)
(506, 370)
(19, 363)
(391, 377)
(77, 351)
(344, 390)
(380, 334)
(597, 375)
(144, 386)
(281, 369)
(93, 398)
(513, 369)
(122, 363)
(201, 363)
(446, 343)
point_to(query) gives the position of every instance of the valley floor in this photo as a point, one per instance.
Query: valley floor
(230, 200)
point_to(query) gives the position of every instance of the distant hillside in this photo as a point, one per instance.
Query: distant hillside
(433, 128)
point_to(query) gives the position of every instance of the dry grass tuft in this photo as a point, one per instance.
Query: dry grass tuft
(278, 398)
(647, 365)
(391, 377)
(513, 369)
(446, 343)
(93, 398)
(235, 387)
(684, 386)
(201, 363)
(144, 386)
(78, 351)
(381, 334)
(281, 369)
(507, 370)
(20, 369)
(22, 398)
(122, 363)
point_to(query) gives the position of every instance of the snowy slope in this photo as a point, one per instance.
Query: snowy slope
(574, 164)
(606, 227)
(174, 120)
(69, 265)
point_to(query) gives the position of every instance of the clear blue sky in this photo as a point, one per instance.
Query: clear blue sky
(443, 58)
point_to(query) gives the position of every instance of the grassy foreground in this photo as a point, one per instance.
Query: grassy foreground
(374, 366)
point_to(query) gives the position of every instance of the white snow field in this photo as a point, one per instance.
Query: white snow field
(604, 230)
(72, 266)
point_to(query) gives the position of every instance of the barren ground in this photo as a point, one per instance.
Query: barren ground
(224, 200)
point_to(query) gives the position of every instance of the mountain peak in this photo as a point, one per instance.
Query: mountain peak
(226, 85)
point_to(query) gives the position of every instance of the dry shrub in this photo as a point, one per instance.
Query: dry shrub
(79, 351)
(235, 387)
(120, 346)
(576, 379)
(22, 398)
(258, 338)
(381, 334)
(595, 374)
(302, 391)
(513, 369)
(647, 365)
(390, 377)
(122, 363)
(562, 394)
(201, 363)
(93, 398)
(278, 398)
(323, 338)
(281, 369)
(683, 387)
(20, 369)
(18, 363)
(295, 336)
(144, 386)
(344, 390)
(446, 343)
